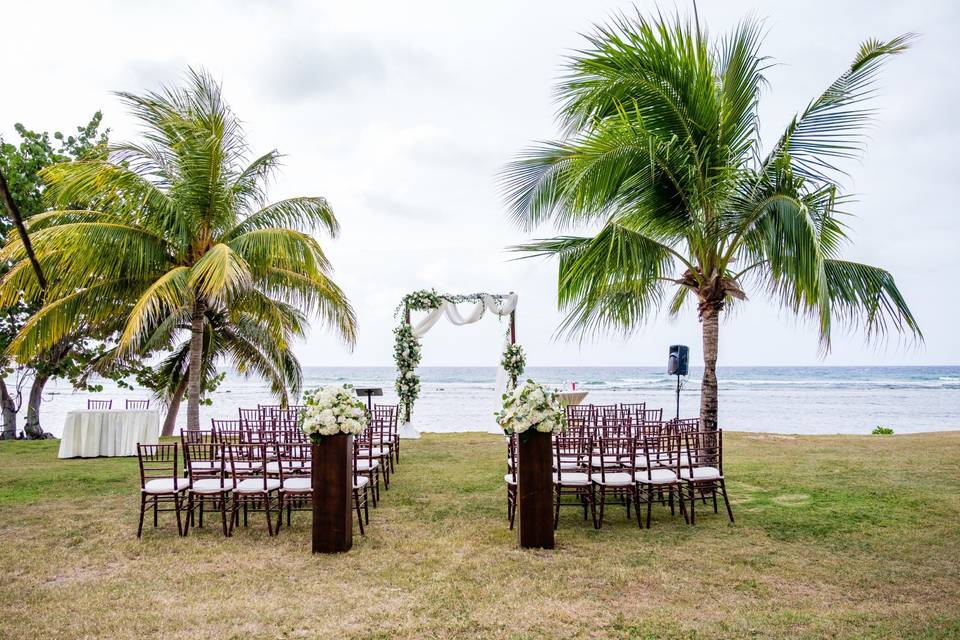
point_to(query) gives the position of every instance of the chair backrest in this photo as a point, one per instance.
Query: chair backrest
(703, 449)
(615, 451)
(204, 459)
(99, 404)
(661, 451)
(157, 461)
(248, 461)
(512, 456)
(651, 415)
(683, 425)
(288, 414)
(293, 459)
(571, 454)
(230, 425)
(137, 405)
(251, 414)
(608, 414)
(632, 411)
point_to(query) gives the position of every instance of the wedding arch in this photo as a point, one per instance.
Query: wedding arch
(407, 340)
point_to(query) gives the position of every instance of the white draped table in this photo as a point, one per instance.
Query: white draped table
(88, 434)
(572, 397)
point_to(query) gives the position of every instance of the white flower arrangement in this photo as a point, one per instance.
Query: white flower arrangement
(331, 410)
(532, 406)
(513, 362)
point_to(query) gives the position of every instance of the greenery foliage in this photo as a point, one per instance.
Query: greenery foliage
(882, 431)
(406, 355)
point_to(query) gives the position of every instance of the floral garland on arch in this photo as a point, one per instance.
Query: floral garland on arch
(513, 362)
(331, 410)
(406, 354)
(532, 406)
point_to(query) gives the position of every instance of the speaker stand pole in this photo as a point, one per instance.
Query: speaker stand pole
(678, 396)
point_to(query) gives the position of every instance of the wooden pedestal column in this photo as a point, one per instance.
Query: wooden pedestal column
(535, 490)
(332, 471)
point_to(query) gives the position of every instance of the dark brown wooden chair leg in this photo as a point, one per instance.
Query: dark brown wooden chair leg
(143, 509)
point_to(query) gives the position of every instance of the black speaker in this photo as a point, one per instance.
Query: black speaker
(678, 360)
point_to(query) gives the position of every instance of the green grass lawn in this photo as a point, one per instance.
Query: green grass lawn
(837, 536)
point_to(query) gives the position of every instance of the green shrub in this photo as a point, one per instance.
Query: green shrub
(882, 431)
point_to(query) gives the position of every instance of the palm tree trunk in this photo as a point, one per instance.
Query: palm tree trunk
(709, 401)
(9, 409)
(193, 377)
(33, 428)
(173, 410)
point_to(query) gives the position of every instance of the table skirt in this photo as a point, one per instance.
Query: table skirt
(89, 434)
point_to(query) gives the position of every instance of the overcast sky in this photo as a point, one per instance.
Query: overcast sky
(401, 114)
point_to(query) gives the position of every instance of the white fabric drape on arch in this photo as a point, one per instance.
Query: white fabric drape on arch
(501, 308)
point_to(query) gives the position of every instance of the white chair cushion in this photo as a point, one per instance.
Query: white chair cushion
(701, 473)
(509, 479)
(297, 485)
(573, 479)
(360, 482)
(210, 485)
(613, 479)
(273, 467)
(604, 461)
(255, 485)
(657, 476)
(245, 466)
(166, 485)
(366, 465)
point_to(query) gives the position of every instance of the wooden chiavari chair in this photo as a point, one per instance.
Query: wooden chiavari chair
(253, 488)
(137, 405)
(617, 477)
(661, 473)
(208, 482)
(99, 405)
(367, 463)
(632, 411)
(160, 481)
(390, 413)
(572, 476)
(703, 469)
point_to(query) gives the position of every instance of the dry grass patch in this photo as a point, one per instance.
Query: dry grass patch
(835, 537)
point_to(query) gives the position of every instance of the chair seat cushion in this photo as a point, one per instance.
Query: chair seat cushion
(245, 466)
(657, 476)
(614, 479)
(597, 461)
(296, 485)
(367, 465)
(360, 482)
(572, 479)
(166, 485)
(510, 479)
(210, 485)
(701, 473)
(255, 485)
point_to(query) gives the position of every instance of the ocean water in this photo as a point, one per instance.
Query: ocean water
(802, 400)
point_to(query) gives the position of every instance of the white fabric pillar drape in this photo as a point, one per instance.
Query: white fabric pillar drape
(500, 308)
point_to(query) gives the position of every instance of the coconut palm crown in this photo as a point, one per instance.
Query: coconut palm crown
(662, 153)
(171, 227)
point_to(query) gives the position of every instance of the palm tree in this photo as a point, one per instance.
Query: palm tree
(171, 227)
(662, 153)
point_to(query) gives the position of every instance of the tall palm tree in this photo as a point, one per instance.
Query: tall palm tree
(662, 153)
(173, 226)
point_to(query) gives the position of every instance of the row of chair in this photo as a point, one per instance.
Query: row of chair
(621, 462)
(261, 465)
